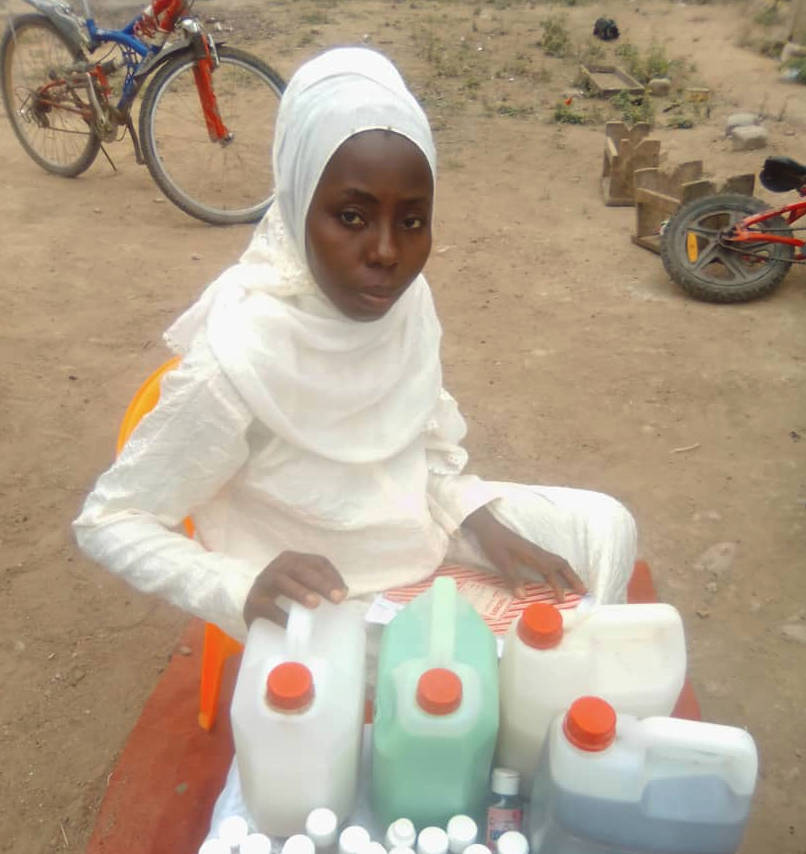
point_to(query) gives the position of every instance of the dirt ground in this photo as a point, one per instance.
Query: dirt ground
(575, 359)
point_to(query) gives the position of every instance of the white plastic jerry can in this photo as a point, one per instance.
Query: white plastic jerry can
(297, 716)
(616, 784)
(633, 656)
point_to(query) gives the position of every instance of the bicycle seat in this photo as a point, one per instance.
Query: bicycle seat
(781, 174)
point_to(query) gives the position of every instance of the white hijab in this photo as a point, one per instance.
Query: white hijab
(351, 391)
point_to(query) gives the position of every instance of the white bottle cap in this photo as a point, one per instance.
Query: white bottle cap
(477, 848)
(376, 848)
(512, 842)
(353, 840)
(505, 781)
(401, 834)
(299, 843)
(462, 831)
(402, 851)
(214, 846)
(233, 830)
(255, 843)
(322, 826)
(432, 840)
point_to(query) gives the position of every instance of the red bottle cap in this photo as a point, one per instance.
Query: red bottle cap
(439, 691)
(541, 626)
(590, 724)
(289, 687)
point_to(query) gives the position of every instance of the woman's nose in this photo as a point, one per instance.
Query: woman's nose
(384, 247)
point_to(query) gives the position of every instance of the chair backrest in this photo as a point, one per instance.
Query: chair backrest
(144, 400)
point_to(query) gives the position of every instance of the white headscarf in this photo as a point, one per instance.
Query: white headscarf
(351, 391)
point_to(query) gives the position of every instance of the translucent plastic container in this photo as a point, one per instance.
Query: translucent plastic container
(609, 784)
(297, 716)
(436, 711)
(634, 656)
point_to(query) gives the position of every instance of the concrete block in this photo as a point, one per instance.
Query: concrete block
(792, 51)
(659, 86)
(739, 120)
(749, 137)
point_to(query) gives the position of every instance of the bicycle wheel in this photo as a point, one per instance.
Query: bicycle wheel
(219, 182)
(50, 124)
(699, 255)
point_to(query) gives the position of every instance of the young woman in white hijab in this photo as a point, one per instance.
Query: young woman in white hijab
(306, 430)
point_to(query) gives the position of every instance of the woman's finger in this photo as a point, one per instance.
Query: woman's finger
(318, 574)
(574, 581)
(289, 586)
(509, 572)
(264, 607)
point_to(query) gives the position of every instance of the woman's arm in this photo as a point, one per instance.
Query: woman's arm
(177, 459)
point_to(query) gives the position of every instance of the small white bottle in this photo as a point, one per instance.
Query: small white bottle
(214, 846)
(255, 843)
(232, 830)
(353, 840)
(462, 831)
(322, 826)
(402, 851)
(401, 834)
(477, 848)
(299, 843)
(432, 840)
(375, 848)
(513, 842)
(505, 810)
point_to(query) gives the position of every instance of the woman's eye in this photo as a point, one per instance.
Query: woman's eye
(351, 218)
(413, 222)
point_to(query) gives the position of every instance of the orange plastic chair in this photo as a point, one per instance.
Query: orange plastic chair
(218, 646)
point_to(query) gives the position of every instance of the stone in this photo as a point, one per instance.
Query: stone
(659, 86)
(796, 633)
(749, 137)
(739, 120)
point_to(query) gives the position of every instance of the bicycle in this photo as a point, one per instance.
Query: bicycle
(206, 118)
(733, 248)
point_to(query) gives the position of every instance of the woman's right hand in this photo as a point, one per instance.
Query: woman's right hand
(300, 577)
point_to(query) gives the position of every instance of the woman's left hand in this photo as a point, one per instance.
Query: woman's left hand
(510, 553)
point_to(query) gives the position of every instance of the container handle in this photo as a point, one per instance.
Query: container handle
(730, 747)
(298, 631)
(443, 620)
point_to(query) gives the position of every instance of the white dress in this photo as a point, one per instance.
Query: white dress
(251, 495)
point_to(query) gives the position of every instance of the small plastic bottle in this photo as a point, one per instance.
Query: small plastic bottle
(402, 851)
(353, 840)
(462, 831)
(513, 842)
(214, 846)
(322, 826)
(505, 810)
(255, 843)
(432, 840)
(401, 834)
(477, 848)
(375, 848)
(299, 843)
(232, 830)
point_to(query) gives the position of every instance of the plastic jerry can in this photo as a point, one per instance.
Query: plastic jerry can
(436, 711)
(616, 784)
(634, 656)
(297, 716)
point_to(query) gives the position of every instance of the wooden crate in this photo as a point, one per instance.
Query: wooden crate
(608, 80)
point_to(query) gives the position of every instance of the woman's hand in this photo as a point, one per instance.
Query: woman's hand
(303, 578)
(510, 553)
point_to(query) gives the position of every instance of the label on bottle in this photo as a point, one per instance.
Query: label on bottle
(499, 821)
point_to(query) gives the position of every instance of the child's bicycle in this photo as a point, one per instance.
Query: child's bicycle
(206, 119)
(734, 248)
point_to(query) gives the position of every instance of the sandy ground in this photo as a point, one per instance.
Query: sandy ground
(575, 359)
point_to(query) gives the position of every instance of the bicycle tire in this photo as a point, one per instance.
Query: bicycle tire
(721, 272)
(219, 183)
(61, 142)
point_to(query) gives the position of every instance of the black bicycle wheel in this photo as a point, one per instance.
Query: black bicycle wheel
(218, 182)
(50, 124)
(699, 255)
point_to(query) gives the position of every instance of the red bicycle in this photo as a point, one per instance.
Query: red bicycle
(734, 248)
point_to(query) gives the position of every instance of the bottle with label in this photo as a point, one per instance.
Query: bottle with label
(322, 826)
(505, 810)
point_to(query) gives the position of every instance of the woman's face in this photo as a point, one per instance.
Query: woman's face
(368, 228)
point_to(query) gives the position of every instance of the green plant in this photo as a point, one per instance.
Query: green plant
(634, 108)
(768, 17)
(798, 65)
(565, 115)
(556, 40)
(643, 69)
(680, 122)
